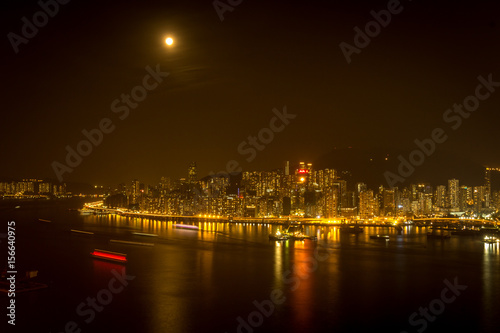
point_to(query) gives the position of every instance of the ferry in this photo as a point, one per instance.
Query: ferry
(85, 212)
(144, 234)
(352, 229)
(82, 232)
(491, 239)
(278, 236)
(130, 242)
(110, 256)
(295, 231)
(380, 237)
(186, 226)
(465, 232)
(489, 230)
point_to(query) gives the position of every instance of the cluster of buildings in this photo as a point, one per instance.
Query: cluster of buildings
(30, 188)
(301, 191)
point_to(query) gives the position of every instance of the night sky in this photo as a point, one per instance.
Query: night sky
(226, 77)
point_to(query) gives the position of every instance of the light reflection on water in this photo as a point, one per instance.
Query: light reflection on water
(202, 280)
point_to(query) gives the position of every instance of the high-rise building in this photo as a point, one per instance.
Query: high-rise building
(330, 202)
(480, 197)
(26, 186)
(454, 194)
(135, 192)
(192, 173)
(466, 198)
(44, 187)
(441, 197)
(388, 203)
(489, 183)
(367, 204)
(495, 200)
(487, 179)
(360, 187)
(303, 173)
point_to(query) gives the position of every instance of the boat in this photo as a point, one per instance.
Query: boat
(186, 226)
(295, 231)
(85, 212)
(491, 239)
(278, 236)
(130, 242)
(441, 228)
(297, 237)
(437, 236)
(380, 237)
(82, 232)
(466, 232)
(488, 230)
(144, 234)
(314, 238)
(352, 229)
(110, 256)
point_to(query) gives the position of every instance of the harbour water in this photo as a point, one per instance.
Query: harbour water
(231, 278)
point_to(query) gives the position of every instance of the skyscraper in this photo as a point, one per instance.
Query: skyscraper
(466, 197)
(479, 198)
(366, 204)
(454, 194)
(192, 173)
(440, 198)
(135, 192)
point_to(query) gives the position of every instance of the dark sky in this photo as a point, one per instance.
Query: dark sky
(227, 76)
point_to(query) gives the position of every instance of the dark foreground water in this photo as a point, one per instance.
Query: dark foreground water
(231, 278)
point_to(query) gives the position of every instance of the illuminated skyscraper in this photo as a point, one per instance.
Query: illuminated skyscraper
(388, 203)
(454, 194)
(192, 173)
(135, 192)
(488, 182)
(466, 198)
(480, 196)
(303, 173)
(367, 204)
(487, 179)
(331, 202)
(440, 198)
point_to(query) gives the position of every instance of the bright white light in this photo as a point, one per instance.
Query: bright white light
(169, 41)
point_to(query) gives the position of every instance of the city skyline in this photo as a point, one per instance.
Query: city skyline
(301, 190)
(294, 190)
(225, 173)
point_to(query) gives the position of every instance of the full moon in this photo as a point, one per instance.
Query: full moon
(169, 41)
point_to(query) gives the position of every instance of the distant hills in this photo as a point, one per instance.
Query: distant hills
(369, 166)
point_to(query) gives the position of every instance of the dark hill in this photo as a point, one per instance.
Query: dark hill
(369, 166)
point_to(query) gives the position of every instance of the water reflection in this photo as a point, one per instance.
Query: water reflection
(278, 265)
(490, 275)
(223, 267)
(305, 266)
